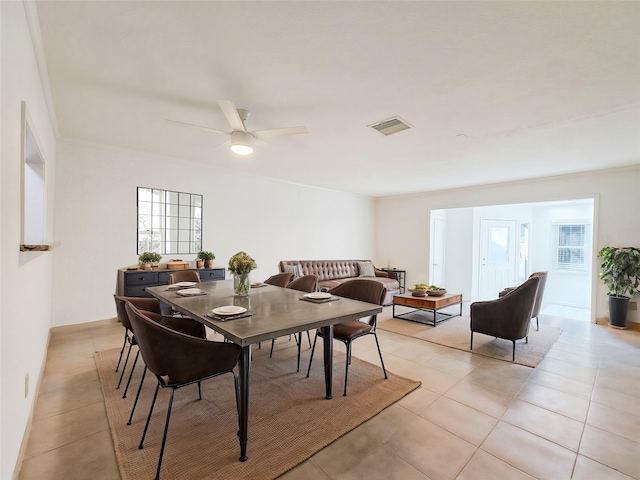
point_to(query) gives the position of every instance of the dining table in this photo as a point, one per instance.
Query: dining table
(274, 312)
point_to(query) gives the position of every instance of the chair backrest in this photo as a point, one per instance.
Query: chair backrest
(141, 303)
(306, 283)
(542, 276)
(176, 358)
(364, 290)
(123, 317)
(280, 279)
(184, 276)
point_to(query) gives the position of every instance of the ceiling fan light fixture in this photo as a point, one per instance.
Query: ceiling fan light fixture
(241, 143)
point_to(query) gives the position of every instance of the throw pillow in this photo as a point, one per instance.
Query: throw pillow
(366, 269)
(295, 269)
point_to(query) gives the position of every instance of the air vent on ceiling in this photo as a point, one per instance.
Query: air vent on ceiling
(391, 125)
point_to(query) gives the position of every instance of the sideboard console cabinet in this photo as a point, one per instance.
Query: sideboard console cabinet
(132, 283)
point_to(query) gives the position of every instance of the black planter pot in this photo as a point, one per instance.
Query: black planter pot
(618, 308)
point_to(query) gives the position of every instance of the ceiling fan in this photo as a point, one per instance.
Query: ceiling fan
(241, 139)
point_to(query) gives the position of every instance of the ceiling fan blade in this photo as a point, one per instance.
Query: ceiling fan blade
(231, 112)
(197, 126)
(279, 131)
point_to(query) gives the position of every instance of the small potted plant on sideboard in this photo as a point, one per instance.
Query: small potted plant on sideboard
(207, 257)
(621, 273)
(147, 259)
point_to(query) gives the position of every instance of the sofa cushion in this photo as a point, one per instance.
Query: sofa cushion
(366, 269)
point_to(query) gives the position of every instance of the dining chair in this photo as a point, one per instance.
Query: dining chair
(280, 279)
(184, 276)
(507, 317)
(366, 291)
(178, 360)
(307, 284)
(150, 305)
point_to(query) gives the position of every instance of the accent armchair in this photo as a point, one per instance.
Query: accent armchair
(507, 317)
(538, 305)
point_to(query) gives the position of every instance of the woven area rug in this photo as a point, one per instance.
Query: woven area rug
(455, 333)
(289, 418)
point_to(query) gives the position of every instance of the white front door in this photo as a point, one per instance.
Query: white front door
(497, 257)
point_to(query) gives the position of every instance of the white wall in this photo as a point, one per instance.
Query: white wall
(96, 221)
(402, 233)
(25, 306)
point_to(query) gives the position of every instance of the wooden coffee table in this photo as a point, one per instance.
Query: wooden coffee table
(426, 304)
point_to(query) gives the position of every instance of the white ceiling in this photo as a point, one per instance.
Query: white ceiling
(496, 91)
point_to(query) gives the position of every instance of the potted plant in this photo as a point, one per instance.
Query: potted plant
(207, 257)
(146, 259)
(621, 273)
(240, 265)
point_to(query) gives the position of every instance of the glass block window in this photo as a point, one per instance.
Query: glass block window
(571, 246)
(169, 222)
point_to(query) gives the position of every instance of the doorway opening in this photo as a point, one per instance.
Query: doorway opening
(482, 250)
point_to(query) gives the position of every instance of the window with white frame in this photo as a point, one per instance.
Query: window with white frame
(571, 246)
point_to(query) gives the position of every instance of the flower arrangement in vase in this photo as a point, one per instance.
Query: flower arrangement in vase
(241, 265)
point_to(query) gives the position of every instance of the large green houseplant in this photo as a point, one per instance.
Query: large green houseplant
(620, 271)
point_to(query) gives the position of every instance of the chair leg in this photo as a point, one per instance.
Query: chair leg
(513, 356)
(299, 337)
(526, 339)
(124, 344)
(384, 370)
(309, 338)
(471, 344)
(312, 350)
(133, 367)
(199, 390)
(166, 429)
(135, 402)
(273, 341)
(146, 426)
(126, 360)
(346, 370)
(537, 324)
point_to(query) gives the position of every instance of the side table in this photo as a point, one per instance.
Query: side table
(401, 275)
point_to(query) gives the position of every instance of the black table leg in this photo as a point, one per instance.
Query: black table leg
(244, 366)
(327, 342)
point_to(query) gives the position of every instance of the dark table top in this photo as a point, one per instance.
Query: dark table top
(276, 311)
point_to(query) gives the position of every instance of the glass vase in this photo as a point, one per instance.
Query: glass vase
(241, 284)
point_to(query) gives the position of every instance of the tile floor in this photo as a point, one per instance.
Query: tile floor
(575, 416)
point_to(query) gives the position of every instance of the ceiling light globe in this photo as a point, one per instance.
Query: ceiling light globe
(242, 149)
(241, 143)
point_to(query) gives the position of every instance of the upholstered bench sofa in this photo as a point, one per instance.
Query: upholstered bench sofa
(332, 273)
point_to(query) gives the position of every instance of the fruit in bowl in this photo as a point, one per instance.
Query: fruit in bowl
(419, 289)
(435, 291)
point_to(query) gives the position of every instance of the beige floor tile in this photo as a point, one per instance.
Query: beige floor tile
(450, 366)
(558, 382)
(611, 450)
(92, 457)
(308, 470)
(461, 356)
(388, 422)
(433, 380)
(568, 370)
(587, 469)
(534, 455)
(546, 424)
(60, 401)
(614, 421)
(484, 466)
(65, 363)
(418, 400)
(431, 449)
(416, 353)
(62, 380)
(507, 378)
(399, 365)
(461, 420)
(582, 360)
(481, 398)
(617, 400)
(628, 385)
(358, 456)
(59, 430)
(555, 401)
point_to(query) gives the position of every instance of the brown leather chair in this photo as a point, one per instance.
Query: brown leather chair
(184, 325)
(280, 279)
(184, 276)
(307, 284)
(538, 305)
(178, 360)
(346, 332)
(507, 317)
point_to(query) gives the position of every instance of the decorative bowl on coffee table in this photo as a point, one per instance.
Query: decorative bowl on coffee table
(436, 293)
(418, 292)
